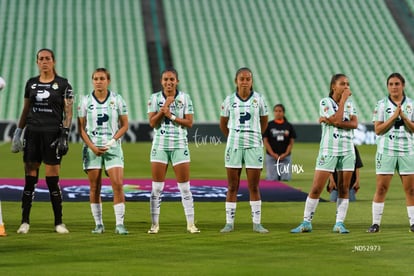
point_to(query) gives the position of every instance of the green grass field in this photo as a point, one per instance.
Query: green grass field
(174, 252)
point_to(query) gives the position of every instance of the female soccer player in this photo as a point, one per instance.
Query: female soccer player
(102, 121)
(393, 122)
(170, 113)
(47, 116)
(243, 120)
(336, 151)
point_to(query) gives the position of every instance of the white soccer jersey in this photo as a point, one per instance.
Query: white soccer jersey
(244, 120)
(102, 118)
(169, 135)
(398, 140)
(336, 141)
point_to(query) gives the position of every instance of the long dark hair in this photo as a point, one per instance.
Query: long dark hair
(333, 81)
(283, 109)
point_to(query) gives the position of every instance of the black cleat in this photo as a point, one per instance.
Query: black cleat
(412, 228)
(375, 228)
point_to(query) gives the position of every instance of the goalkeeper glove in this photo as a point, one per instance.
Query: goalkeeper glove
(16, 145)
(61, 143)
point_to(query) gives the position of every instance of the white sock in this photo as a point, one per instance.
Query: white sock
(256, 211)
(230, 212)
(119, 210)
(410, 211)
(310, 207)
(96, 209)
(377, 210)
(155, 201)
(1, 216)
(187, 201)
(341, 209)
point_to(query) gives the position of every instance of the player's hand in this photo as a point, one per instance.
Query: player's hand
(169, 100)
(17, 145)
(61, 143)
(110, 143)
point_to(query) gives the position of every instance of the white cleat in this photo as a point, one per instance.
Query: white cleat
(61, 229)
(24, 228)
(192, 229)
(154, 229)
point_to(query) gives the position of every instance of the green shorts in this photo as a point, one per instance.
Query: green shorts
(113, 157)
(176, 156)
(340, 163)
(252, 158)
(385, 164)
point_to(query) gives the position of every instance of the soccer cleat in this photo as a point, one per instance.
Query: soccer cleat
(121, 230)
(412, 228)
(24, 228)
(229, 227)
(304, 227)
(257, 227)
(154, 229)
(2, 231)
(192, 229)
(339, 227)
(99, 229)
(373, 228)
(61, 229)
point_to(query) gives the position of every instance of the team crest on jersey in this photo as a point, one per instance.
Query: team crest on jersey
(55, 86)
(409, 109)
(321, 161)
(112, 104)
(255, 104)
(179, 104)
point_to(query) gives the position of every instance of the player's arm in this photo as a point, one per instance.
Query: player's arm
(223, 125)
(351, 124)
(124, 125)
(381, 128)
(68, 110)
(23, 115)
(407, 122)
(187, 121)
(85, 137)
(263, 123)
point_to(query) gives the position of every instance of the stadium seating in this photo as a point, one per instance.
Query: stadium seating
(292, 46)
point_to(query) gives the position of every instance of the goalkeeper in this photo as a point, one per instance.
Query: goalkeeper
(46, 117)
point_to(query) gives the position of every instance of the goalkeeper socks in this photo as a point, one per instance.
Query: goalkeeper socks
(155, 201)
(27, 197)
(187, 201)
(256, 211)
(410, 211)
(55, 197)
(96, 209)
(230, 212)
(310, 208)
(119, 210)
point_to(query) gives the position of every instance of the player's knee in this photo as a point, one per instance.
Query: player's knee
(185, 189)
(157, 188)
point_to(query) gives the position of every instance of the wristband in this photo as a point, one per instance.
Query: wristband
(173, 117)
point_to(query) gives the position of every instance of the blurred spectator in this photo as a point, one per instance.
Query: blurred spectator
(278, 140)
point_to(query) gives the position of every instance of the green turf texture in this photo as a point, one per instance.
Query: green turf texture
(175, 252)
